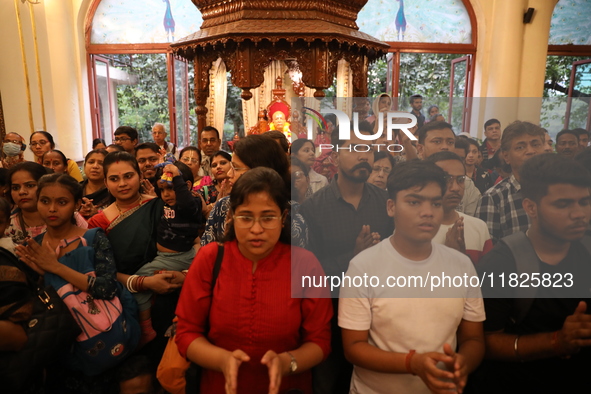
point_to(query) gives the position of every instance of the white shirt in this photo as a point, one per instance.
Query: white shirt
(317, 181)
(476, 234)
(411, 318)
(470, 199)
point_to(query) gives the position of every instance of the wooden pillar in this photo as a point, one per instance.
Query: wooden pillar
(201, 66)
(359, 67)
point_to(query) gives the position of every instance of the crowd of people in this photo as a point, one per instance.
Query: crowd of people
(220, 242)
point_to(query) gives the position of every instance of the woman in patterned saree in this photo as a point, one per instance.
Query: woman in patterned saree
(131, 222)
(251, 152)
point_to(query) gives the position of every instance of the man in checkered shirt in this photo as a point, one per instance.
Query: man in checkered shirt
(501, 205)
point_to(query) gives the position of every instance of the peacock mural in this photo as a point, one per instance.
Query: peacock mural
(441, 21)
(168, 22)
(400, 22)
(146, 21)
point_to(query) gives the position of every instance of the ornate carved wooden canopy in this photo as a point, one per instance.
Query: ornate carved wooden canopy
(249, 34)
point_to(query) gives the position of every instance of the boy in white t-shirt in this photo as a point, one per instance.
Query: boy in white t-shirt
(402, 337)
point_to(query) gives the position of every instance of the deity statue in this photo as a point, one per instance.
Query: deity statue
(279, 112)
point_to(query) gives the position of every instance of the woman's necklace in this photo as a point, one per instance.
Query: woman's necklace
(119, 209)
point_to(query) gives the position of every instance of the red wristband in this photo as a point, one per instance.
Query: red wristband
(408, 358)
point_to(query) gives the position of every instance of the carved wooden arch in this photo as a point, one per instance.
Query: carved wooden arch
(247, 64)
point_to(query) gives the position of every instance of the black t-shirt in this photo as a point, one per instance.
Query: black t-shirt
(179, 225)
(546, 314)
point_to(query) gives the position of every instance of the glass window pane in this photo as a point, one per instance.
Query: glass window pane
(233, 123)
(427, 74)
(181, 102)
(579, 110)
(438, 21)
(570, 24)
(147, 21)
(103, 99)
(141, 86)
(192, 105)
(460, 80)
(556, 86)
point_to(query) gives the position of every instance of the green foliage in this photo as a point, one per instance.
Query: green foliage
(234, 122)
(427, 74)
(556, 86)
(377, 77)
(144, 103)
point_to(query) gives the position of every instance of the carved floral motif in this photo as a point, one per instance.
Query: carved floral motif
(249, 34)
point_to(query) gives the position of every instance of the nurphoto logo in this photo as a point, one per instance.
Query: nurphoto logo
(402, 121)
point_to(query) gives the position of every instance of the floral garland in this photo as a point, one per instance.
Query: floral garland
(286, 129)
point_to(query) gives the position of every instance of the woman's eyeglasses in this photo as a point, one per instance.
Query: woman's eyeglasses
(189, 160)
(379, 169)
(266, 222)
(235, 169)
(40, 143)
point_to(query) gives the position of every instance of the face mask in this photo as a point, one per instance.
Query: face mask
(11, 149)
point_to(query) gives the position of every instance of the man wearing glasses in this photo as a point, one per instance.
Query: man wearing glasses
(210, 144)
(126, 137)
(436, 137)
(466, 234)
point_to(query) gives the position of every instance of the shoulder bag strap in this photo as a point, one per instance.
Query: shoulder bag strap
(526, 261)
(217, 266)
(214, 277)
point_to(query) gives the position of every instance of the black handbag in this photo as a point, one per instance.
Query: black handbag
(51, 331)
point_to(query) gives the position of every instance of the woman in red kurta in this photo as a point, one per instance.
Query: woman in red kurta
(265, 330)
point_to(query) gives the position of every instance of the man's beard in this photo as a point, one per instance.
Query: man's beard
(358, 178)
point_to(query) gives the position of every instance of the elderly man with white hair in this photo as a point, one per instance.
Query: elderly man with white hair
(159, 136)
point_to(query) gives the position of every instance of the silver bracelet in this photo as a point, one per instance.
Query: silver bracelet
(515, 348)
